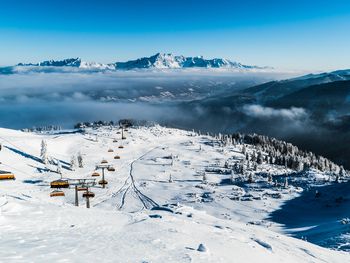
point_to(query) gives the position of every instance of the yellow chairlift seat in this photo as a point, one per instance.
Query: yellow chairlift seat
(57, 193)
(104, 161)
(95, 174)
(88, 194)
(102, 182)
(82, 189)
(7, 175)
(117, 157)
(111, 169)
(120, 146)
(59, 184)
(110, 150)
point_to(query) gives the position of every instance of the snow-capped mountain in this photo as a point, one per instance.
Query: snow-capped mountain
(157, 61)
(69, 62)
(171, 61)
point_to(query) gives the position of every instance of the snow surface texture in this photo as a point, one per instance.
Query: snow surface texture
(200, 218)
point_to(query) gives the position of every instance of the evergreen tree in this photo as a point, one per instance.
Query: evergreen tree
(204, 178)
(73, 163)
(269, 178)
(43, 152)
(232, 178)
(250, 178)
(80, 160)
(59, 167)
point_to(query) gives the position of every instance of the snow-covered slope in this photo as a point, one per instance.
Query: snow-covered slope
(273, 90)
(180, 171)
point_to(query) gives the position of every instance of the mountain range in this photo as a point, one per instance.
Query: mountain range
(157, 61)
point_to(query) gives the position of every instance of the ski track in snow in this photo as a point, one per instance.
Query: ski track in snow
(119, 226)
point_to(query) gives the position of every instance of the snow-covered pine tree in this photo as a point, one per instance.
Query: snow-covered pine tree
(59, 167)
(43, 152)
(250, 178)
(342, 172)
(73, 163)
(269, 178)
(242, 168)
(232, 176)
(244, 149)
(260, 158)
(80, 160)
(337, 179)
(204, 178)
(226, 164)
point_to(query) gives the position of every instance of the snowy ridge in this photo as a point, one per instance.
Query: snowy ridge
(69, 62)
(325, 77)
(157, 61)
(206, 214)
(162, 61)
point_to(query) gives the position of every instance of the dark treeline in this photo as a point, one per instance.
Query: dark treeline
(272, 151)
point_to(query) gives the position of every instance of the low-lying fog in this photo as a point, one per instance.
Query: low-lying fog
(35, 99)
(173, 98)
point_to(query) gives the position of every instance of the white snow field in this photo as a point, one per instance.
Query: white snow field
(157, 166)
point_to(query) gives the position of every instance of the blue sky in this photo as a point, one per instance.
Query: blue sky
(307, 35)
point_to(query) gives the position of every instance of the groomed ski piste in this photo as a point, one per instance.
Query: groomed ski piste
(159, 204)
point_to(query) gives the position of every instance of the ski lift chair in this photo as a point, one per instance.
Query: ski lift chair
(111, 169)
(95, 174)
(88, 194)
(102, 182)
(4, 175)
(59, 184)
(56, 193)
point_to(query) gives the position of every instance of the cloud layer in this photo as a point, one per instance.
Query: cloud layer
(258, 111)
